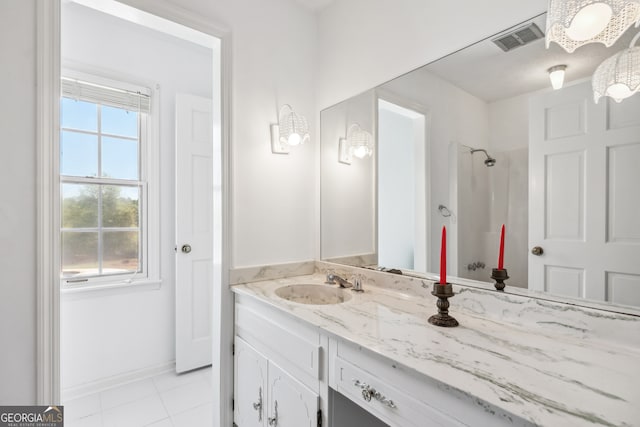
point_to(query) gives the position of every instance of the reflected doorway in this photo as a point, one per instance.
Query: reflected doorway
(403, 186)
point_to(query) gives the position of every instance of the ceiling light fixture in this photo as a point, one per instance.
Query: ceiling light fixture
(556, 75)
(573, 23)
(292, 129)
(618, 77)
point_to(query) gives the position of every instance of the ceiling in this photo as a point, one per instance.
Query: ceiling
(315, 5)
(489, 73)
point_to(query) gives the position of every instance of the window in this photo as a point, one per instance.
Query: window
(103, 187)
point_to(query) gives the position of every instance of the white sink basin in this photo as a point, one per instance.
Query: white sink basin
(313, 294)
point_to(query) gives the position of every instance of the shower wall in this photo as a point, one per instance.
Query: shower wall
(487, 198)
(508, 187)
(473, 214)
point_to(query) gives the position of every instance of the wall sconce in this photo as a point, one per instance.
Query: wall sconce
(358, 143)
(292, 129)
(556, 75)
(618, 76)
(573, 23)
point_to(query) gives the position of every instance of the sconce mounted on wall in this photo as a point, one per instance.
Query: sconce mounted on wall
(574, 23)
(291, 130)
(556, 75)
(358, 143)
(618, 76)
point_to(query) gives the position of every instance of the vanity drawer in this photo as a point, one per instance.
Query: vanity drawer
(282, 340)
(419, 400)
(390, 404)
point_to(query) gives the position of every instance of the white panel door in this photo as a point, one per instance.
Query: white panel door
(194, 231)
(250, 386)
(584, 202)
(291, 404)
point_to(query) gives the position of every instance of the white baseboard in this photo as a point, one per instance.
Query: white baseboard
(116, 380)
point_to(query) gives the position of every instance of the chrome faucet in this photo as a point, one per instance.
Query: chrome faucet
(332, 278)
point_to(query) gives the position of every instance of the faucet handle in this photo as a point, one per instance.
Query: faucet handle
(357, 283)
(331, 277)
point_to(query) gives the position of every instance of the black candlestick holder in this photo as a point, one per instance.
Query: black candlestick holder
(443, 292)
(499, 275)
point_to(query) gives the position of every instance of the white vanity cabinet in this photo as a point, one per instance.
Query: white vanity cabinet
(266, 395)
(276, 370)
(250, 391)
(284, 368)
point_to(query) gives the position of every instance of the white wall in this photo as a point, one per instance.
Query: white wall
(18, 206)
(363, 43)
(105, 336)
(274, 58)
(509, 123)
(273, 63)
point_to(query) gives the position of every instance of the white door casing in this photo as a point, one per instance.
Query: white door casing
(48, 292)
(194, 231)
(584, 202)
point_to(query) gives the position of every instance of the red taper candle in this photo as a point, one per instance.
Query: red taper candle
(501, 253)
(443, 257)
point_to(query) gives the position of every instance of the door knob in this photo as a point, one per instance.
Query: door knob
(537, 251)
(186, 249)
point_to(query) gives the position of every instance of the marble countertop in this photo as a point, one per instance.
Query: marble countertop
(539, 376)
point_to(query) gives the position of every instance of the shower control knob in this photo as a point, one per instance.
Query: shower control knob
(537, 251)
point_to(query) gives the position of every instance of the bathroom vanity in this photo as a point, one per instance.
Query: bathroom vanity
(513, 360)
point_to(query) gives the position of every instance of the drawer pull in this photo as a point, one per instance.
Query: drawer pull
(273, 421)
(369, 392)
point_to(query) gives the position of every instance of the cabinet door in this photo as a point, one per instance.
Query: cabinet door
(291, 404)
(250, 391)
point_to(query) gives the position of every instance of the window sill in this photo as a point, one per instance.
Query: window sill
(109, 288)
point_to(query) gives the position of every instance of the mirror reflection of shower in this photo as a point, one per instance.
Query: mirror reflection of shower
(489, 190)
(490, 161)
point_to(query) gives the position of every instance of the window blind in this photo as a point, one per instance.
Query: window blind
(113, 97)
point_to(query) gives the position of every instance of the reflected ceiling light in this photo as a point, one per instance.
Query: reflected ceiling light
(292, 129)
(573, 23)
(618, 77)
(556, 75)
(358, 143)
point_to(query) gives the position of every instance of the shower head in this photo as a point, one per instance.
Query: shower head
(490, 161)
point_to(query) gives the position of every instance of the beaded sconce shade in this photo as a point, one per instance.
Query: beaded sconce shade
(618, 76)
(573, 23)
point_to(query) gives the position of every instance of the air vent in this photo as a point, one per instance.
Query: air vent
(518, 37)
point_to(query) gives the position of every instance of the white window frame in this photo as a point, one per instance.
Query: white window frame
(149, 274)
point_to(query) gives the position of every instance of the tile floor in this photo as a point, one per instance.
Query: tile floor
(166, 400)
